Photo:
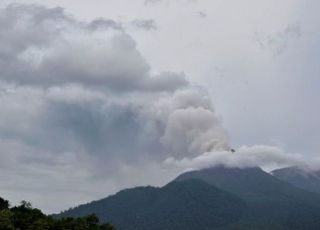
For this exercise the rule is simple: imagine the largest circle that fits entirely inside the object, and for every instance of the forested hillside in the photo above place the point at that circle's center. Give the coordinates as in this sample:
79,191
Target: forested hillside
180,205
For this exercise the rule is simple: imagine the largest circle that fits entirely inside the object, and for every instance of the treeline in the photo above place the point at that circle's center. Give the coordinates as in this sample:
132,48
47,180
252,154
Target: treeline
25,217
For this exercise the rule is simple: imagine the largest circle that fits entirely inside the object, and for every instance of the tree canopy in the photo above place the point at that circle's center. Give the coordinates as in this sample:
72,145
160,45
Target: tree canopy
25,217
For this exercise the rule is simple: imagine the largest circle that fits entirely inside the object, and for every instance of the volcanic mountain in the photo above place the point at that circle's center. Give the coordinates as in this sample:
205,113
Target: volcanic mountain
213,198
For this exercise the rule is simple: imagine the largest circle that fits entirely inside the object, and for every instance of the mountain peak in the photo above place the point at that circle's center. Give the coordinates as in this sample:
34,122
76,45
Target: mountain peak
246,182
180,205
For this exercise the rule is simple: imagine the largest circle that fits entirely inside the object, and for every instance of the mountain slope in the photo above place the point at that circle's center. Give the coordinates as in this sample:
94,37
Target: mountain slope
308,180
215,198
189,204
270,201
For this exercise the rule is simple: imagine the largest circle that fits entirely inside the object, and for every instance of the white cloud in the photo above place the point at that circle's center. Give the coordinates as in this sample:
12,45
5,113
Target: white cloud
267,157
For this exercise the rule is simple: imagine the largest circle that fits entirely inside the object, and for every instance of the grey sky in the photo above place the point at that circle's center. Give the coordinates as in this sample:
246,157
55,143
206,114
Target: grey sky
101,95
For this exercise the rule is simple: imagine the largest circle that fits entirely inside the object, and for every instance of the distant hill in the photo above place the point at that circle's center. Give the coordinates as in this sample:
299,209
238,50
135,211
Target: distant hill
215,198
180,205
305,179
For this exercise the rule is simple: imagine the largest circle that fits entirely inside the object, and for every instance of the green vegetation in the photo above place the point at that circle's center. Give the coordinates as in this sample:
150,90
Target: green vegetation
25,217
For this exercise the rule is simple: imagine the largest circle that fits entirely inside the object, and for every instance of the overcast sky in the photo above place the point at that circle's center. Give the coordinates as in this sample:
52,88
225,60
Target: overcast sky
101,95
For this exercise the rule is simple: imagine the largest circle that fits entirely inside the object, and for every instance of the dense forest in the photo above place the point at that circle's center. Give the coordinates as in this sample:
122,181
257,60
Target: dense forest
25,217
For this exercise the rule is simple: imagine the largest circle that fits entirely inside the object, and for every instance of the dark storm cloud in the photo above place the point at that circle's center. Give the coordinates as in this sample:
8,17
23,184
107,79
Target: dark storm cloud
104,129
53,49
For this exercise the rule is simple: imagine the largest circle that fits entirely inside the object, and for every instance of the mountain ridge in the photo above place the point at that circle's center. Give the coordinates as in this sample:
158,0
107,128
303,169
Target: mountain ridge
302,178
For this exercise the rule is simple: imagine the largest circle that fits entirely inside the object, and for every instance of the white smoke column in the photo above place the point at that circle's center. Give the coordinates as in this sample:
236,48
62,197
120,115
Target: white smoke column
190,124
192,131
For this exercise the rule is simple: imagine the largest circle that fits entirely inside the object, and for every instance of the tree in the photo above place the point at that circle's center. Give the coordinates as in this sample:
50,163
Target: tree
6,220
92,221
40,224
25,216
25,204
4,204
